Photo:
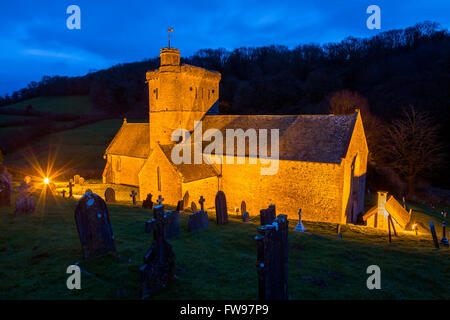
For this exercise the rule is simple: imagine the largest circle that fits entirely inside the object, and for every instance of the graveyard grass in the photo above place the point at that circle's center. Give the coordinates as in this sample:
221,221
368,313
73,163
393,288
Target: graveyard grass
218,263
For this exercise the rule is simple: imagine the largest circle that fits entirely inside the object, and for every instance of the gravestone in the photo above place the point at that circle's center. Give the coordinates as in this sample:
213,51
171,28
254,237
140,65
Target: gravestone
300,226
272,259
5,187
159,261
245,217
133,195
70,186
268,215
198,221
202,202
221,208
186,200
444,240
81,181
180,206
76,179
25,203
88,191
148,203
433,234
194,207
172,227
110,195
94,226
243,207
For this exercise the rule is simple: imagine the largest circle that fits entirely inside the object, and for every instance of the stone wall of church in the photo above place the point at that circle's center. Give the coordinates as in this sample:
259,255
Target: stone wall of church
207,188
316,188
170,180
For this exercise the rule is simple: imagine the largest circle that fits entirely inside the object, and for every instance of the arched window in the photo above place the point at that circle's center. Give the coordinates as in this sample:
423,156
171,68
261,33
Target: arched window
158,173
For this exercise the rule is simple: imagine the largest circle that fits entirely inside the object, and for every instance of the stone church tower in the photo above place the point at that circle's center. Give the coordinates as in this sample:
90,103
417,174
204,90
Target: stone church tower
178,95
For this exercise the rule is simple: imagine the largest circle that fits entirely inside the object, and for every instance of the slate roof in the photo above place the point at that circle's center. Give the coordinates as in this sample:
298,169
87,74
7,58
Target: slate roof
190,172
317,138
131,140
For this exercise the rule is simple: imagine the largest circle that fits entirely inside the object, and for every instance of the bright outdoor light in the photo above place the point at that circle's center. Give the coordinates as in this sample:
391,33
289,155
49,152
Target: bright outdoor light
46,180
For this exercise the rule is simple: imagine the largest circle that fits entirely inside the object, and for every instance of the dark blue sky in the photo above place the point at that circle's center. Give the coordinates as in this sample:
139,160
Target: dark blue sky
35,41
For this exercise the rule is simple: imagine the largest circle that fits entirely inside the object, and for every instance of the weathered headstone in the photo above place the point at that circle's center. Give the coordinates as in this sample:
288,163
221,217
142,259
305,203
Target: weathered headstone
159,261
268,215
93,225
243,207
133,195
81,181
76,179
172,228
110,195
25,203
194,207
444,240
70,186
300,226
221,208
272,259
186,199
88,191
180,206
198,221
5,194
148,203
245,217
433,234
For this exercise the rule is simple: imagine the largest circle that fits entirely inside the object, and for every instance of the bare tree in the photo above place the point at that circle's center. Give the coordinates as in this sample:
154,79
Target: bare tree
412,146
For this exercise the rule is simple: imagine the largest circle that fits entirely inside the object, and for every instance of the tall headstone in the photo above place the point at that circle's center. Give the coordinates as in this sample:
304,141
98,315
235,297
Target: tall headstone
221,208
186,199
5,187
133,195
76,179
243,207
159,261
300,226
272,260
268,215
148,203
70,186
93,225
110,195
433,234
180,206
25,203
81,181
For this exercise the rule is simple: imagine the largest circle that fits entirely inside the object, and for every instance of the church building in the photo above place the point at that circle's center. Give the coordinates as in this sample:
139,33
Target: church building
322,158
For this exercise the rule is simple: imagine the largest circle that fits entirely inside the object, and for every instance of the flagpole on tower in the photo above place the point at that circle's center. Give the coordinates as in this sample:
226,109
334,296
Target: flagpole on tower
169,31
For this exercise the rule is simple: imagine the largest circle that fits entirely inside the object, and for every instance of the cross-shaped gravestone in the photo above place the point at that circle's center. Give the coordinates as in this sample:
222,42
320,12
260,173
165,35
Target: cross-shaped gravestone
64,193
133,195
70,188
159,261
300,226
160,200
202,201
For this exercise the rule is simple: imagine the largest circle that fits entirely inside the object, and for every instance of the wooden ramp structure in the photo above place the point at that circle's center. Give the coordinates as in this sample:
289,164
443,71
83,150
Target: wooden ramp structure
378,215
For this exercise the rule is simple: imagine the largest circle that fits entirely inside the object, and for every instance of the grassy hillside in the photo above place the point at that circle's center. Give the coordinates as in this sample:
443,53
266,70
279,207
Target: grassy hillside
79,148
64,104
218,263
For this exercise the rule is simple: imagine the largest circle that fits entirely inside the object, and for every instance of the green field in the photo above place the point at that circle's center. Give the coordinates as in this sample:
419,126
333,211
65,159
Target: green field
65,104
218,263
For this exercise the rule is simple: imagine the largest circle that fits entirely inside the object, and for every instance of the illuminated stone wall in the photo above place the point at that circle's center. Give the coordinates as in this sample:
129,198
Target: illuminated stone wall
123,170
170,178
206,187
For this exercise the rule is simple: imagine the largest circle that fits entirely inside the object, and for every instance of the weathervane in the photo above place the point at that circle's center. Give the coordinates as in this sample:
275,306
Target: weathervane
169,30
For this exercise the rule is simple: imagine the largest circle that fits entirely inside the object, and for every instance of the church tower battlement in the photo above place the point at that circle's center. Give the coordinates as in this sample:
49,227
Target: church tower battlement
178,96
